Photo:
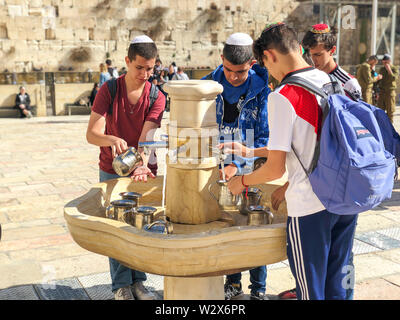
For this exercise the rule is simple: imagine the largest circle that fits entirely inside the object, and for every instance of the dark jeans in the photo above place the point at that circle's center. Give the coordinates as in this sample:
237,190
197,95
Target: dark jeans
258,278
121,276
21,111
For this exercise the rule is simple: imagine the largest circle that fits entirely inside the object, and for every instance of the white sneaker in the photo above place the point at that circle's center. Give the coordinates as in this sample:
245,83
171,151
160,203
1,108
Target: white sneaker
29,114
124,293
141,293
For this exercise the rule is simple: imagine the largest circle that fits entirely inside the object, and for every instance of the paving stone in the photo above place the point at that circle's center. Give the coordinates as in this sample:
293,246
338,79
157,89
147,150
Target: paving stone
277,265
33,243
376,289
392,215
394,279
372,222
35,232
19,293
82,265
392,255
373,265
66,289
20,272
49,253
278,280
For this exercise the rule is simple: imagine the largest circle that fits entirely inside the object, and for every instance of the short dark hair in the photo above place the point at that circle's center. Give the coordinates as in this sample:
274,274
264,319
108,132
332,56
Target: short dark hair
147,50
373,57
108,62
307,57
280,37
312,39
237,54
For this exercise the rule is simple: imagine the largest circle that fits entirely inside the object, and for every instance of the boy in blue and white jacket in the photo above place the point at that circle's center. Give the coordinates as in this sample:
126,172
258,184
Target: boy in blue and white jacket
242,116
251,124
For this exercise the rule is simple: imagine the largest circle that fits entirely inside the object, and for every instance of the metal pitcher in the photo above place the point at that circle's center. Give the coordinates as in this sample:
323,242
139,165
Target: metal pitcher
134,196
121,210
249,197
142,216
159,226
259,215
126,162
226,200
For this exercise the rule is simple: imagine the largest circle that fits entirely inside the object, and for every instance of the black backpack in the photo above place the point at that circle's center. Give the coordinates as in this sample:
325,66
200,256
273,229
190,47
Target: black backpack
112,88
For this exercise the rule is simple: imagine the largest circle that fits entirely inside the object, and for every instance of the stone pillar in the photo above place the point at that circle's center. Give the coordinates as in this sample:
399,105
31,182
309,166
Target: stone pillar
193,126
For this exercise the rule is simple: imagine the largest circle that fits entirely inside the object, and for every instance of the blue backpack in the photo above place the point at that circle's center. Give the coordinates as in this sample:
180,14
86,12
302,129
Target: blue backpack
351,170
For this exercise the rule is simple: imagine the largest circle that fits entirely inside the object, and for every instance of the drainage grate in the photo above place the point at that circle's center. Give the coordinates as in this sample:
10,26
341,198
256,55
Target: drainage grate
67,289
379,240
19,293
391,233
360,247
97,286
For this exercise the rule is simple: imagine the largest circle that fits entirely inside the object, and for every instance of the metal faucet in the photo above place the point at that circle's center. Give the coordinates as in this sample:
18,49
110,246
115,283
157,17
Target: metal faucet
163,143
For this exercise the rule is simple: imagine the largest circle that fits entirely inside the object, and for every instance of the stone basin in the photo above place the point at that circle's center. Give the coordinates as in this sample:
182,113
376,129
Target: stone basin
211,249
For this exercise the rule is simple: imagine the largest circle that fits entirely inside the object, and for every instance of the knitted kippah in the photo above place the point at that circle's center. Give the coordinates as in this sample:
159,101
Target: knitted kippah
142,39
273,25
320,28
239,39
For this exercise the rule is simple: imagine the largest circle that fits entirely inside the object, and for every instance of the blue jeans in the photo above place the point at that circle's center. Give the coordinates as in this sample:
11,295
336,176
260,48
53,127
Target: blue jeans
258,278
121,276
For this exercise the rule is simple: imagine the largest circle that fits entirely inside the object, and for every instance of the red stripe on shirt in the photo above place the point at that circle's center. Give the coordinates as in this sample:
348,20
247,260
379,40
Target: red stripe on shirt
305,105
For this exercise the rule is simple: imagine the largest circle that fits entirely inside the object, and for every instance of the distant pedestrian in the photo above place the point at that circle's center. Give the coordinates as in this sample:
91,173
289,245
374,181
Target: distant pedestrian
23,103
171,72
157,68
180,75
104,74
95,89
366,79
111,70
387,86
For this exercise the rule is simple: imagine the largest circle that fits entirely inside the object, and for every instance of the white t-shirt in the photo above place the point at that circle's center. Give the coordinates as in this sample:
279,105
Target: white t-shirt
294,118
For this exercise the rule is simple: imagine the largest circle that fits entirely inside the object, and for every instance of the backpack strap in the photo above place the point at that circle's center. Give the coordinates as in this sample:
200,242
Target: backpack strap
112,89
153,95
305,84
309,86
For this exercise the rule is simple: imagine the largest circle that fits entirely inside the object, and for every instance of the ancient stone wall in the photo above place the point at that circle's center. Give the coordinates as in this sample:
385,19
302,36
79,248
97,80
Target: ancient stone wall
79,34
56,35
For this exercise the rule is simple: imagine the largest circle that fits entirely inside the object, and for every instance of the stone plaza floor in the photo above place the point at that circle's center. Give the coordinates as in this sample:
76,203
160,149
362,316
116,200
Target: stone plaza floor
46,162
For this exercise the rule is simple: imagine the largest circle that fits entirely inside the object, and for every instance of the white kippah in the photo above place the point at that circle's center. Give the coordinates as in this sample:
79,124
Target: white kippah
239,39
142,39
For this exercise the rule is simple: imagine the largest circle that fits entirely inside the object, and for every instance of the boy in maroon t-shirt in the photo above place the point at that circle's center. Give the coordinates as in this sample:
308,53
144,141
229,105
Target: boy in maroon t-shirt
131,122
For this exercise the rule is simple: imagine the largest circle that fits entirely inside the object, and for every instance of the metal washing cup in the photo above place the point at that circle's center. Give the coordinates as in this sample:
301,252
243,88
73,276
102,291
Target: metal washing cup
250,198
126,162
134,196
142,216
226,200
259,215
121,210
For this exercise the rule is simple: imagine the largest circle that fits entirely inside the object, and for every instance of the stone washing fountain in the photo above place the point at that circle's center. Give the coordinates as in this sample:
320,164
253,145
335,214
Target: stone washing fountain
207,242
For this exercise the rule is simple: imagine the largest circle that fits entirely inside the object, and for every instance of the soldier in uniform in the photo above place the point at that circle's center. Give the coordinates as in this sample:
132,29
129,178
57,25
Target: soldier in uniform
387,86
366,79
